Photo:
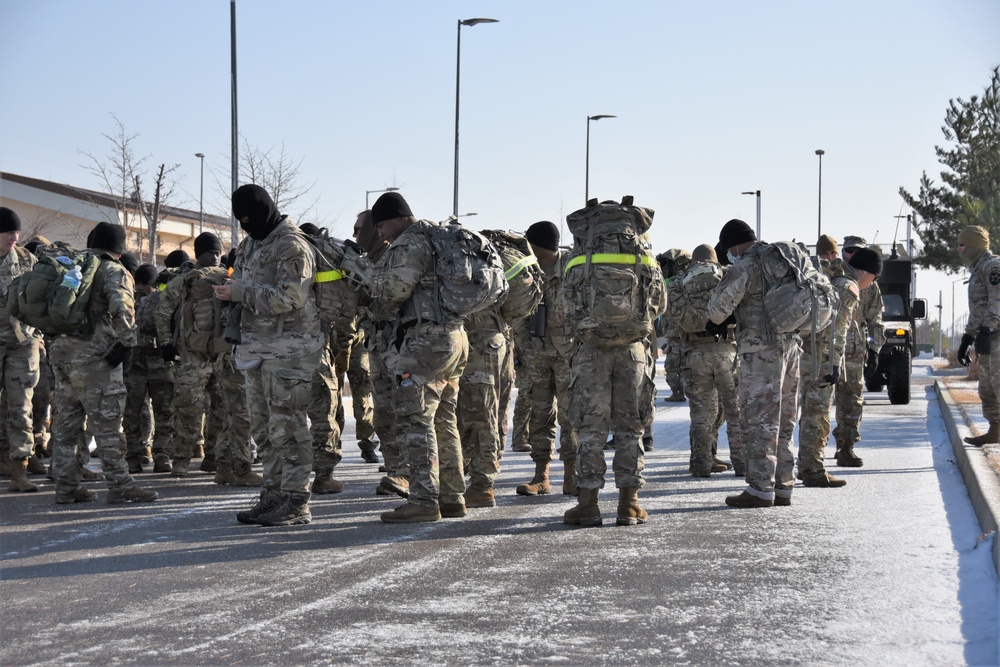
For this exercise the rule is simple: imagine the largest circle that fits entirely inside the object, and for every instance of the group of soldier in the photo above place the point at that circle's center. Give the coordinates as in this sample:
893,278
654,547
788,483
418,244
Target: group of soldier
241,337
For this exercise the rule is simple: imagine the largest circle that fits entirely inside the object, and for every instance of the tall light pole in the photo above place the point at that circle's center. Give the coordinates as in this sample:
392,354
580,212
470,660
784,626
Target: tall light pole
201,195
235,138
453,219
819,214
458,82
371,192
755,192
586,185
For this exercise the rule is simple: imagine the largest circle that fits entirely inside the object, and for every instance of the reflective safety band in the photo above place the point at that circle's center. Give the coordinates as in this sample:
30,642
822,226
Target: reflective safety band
609,258
519,266
327,276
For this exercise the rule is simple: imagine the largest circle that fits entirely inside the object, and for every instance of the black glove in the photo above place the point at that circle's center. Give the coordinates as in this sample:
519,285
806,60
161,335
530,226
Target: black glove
120,356
169,352
722,328
353,245
963,349
984,340
832,378
871,359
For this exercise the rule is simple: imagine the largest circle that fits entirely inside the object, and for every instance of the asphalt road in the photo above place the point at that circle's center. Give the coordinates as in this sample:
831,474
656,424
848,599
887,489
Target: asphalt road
889,570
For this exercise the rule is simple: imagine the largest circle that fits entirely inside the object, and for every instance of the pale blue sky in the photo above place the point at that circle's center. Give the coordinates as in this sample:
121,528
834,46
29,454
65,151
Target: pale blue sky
712,98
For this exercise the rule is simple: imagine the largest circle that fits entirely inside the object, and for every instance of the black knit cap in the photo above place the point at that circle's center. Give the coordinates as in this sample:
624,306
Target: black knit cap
868,260
390,206
310,229
106,236
146,274
176,259
207,241
9,221
734,233
543,234
130,262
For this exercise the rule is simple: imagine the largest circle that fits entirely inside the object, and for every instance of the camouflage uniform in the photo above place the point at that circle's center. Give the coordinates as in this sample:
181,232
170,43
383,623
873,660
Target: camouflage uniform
522,381
324,404
149,377
227,427
19,361
673,362
41,399
427,353
479,398
282,343
816,393
383,385
865,333
769,377
984,311
353,363
506,389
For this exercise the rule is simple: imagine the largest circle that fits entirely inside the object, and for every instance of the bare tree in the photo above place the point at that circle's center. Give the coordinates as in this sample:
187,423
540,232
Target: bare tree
163,190
280,176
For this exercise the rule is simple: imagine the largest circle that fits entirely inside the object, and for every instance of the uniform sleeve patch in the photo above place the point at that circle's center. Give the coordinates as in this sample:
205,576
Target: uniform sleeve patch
853,288
995,277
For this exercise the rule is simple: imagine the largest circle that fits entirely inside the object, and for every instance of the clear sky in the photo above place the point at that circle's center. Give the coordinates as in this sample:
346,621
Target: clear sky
713,98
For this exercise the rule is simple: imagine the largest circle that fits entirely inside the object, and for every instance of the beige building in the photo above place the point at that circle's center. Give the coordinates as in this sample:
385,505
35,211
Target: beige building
65,213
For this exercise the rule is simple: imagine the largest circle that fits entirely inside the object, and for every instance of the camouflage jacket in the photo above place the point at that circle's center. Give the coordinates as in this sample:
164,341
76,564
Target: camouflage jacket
273,280
984,293
867,322
845,281
111,309
12,330
742,292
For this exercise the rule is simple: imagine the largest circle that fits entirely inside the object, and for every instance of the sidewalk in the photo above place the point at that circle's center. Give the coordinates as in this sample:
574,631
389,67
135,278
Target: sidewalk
961,408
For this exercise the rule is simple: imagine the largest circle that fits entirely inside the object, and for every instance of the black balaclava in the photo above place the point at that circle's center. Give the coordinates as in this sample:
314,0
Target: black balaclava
253,201
130,262
176,259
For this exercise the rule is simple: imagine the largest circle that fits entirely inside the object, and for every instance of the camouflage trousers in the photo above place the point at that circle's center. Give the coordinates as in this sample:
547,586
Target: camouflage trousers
383,384
711,387
41,399
849,398
323,405
672,362
548,368
19,372
353,363
191,403
652,354
506,390
95,394
479,405
426,369
230,417
816,401
989,381
768,389
522,404
609,390
148,378
278,398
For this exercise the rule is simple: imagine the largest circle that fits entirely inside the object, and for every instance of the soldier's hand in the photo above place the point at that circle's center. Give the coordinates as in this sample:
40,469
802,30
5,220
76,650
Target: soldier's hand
832,378
120,356
963,349
871,358
984,340
169,352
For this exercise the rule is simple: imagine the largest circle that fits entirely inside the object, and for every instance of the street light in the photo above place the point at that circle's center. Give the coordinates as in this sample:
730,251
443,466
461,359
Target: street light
370,192
458,80
819,214
454,218
201,195
586,186
755,192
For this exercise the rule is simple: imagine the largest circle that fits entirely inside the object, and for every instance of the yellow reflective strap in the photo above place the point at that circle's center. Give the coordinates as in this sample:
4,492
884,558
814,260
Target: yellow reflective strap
161,286
609,258
519,266
327,276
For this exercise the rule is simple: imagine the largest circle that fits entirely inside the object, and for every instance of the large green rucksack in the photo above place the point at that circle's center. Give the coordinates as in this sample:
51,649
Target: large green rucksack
202,317
337,291
613,283
524,276
469,270
53,295
689,302
797,297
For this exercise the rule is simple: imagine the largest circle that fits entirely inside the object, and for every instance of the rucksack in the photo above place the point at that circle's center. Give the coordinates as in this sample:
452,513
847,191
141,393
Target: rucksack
524,276
800,298
40,299
337,294
689,304
613,283
202,317
469,270
145,313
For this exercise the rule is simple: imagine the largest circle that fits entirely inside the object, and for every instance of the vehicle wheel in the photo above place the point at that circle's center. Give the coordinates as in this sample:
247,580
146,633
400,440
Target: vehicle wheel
899,380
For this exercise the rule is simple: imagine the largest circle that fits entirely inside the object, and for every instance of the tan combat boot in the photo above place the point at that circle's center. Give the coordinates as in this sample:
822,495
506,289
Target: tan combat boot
587,512
846,458
35,466
325,483
479,495
411,513
19,481
180,467
569,478
539,484
6,467
629,512
224,474
991,436
240,474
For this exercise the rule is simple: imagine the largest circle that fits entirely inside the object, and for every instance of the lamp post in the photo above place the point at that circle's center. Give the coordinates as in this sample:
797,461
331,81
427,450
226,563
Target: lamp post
819,213
201,195
458,81
586,185
370,192
454,218
755,192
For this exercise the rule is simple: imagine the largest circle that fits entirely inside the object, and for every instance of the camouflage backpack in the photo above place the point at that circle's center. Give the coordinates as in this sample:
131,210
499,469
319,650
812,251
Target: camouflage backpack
202,317
797,297
337,294
145,313
524,275
689,305
469,270
613,284
45,297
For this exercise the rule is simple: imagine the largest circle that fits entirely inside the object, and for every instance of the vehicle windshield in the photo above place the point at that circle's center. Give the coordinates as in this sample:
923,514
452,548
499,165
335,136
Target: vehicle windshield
893,307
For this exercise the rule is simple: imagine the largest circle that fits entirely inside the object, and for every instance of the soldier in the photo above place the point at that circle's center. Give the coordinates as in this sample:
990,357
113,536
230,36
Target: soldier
522,382
545,359
281,343
864,340
983,325
19,350
427,353
769,370
90,385
823,351
673,263
42,397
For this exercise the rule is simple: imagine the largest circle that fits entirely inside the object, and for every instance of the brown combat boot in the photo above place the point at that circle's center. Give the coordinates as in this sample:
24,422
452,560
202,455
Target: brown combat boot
411,513
134,464
586,512
539,484
846,458
208,464
569,478
746,500
293,511
325,483
242,475
224,475
19,481
269,499
6,467
134,495
629,512
991,436
161,463
180,467
77,495
479,495
823,481
398,485
35,466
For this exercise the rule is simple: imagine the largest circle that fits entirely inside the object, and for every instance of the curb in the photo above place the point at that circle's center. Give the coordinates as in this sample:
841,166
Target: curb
980,478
